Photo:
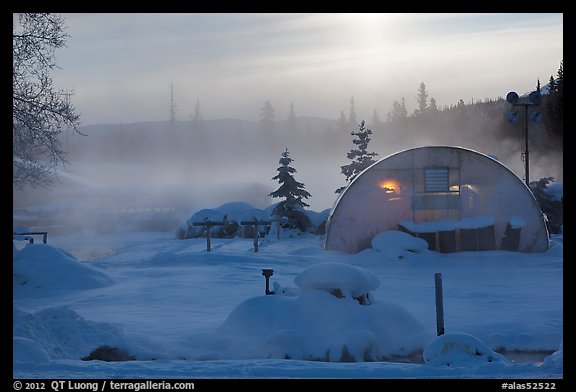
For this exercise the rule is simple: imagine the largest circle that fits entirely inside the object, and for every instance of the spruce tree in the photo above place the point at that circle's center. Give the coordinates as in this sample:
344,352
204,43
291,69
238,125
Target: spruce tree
422,100
342,122
352,115
267,117
398,111
293,192
292,121
197,120
360,156
554,105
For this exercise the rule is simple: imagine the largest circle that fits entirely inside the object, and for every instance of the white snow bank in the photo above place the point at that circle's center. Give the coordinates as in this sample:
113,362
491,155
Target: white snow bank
350,280
459,349
250,214
234,209
556,359
43,266
398,239
319,326
60,333
398,245
316,323
206,214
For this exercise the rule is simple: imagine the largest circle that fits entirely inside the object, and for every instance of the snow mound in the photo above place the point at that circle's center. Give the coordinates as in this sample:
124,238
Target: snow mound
252,213
556,359
59,333
43,266
349,280
398,239
398,245
459,349
206,214
232,210
234,207
323,321
319,326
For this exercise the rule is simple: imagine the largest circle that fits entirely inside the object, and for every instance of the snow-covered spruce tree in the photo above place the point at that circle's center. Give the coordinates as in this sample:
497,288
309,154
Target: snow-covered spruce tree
292,207
360,156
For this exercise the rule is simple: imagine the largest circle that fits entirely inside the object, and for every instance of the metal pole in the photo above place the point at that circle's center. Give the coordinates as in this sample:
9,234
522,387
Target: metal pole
256,235
526,155
439,305
267,273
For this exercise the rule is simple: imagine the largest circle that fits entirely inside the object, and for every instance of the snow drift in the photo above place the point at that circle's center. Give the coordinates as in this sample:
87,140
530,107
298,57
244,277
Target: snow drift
326,322
60,333
43,266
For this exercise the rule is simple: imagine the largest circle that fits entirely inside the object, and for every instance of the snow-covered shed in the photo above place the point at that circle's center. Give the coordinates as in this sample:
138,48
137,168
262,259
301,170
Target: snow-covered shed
455,198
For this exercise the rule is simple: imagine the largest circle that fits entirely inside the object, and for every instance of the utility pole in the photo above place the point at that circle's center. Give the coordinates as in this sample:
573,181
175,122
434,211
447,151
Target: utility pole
172,105
535,100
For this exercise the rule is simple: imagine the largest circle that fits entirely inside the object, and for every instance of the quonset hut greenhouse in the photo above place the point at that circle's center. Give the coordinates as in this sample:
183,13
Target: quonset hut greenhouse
455,198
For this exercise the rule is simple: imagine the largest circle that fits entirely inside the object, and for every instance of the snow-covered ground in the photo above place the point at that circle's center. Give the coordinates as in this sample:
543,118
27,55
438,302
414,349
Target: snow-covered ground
186,313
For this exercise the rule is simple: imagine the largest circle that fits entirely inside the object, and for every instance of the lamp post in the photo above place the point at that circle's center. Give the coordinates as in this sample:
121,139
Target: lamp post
535,99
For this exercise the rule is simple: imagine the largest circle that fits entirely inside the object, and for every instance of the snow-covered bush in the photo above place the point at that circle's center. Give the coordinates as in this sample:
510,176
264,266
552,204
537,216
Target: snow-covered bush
232,213
328,319
339,279
206,214
250,215
549,196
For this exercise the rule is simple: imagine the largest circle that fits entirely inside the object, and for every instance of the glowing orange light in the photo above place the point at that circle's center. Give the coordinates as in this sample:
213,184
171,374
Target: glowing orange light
389,186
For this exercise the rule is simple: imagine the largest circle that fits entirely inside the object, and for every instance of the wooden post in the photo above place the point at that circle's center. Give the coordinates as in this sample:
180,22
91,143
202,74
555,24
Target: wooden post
439,305
44,235
208,224
278,229
256,223
256,235
208,245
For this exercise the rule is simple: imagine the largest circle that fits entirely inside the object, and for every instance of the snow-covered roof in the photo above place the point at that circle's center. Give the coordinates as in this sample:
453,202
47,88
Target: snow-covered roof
345,277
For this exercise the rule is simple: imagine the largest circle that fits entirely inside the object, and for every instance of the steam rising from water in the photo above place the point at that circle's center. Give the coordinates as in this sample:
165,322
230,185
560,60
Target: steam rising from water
141,176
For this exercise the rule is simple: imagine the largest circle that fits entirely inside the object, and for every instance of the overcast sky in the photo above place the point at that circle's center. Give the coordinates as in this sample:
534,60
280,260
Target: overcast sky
121,66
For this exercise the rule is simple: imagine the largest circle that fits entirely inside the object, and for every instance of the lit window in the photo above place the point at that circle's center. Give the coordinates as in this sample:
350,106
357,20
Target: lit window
389,187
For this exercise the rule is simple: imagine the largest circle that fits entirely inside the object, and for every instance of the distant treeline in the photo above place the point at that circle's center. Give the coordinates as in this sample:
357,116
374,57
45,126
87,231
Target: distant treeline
480,125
